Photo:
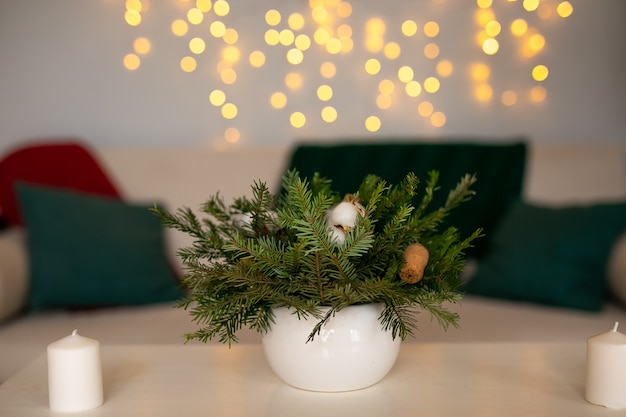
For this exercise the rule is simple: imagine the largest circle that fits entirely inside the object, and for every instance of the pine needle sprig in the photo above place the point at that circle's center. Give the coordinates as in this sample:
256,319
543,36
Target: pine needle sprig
264,251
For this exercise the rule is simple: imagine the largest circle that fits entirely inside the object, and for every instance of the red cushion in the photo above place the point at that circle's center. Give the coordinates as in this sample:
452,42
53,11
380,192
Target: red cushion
66,164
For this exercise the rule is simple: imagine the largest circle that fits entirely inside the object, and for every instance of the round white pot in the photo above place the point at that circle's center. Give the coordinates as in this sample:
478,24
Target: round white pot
351,352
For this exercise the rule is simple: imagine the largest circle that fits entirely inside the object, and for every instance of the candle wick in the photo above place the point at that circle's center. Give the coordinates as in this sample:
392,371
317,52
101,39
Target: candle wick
74,332
615,326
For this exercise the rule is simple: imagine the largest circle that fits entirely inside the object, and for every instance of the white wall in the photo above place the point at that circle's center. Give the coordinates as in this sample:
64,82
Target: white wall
61,73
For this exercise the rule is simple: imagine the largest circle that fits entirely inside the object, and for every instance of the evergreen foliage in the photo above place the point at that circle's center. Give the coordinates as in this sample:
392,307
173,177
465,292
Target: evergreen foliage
270,251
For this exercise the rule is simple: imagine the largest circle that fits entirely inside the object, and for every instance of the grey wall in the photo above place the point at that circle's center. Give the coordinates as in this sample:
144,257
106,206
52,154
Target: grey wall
61,73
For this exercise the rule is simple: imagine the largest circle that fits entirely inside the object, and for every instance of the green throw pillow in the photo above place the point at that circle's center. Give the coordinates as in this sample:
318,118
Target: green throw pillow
88,251
555,256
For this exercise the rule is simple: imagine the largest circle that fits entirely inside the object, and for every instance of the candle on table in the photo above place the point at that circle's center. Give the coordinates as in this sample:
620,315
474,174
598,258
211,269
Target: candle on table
606,369
74,373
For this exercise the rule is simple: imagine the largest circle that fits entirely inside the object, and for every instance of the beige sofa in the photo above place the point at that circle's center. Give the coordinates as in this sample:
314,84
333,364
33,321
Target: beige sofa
556,174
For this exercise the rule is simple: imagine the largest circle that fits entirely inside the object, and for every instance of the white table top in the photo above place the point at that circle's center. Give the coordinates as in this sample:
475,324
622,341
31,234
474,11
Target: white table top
427,380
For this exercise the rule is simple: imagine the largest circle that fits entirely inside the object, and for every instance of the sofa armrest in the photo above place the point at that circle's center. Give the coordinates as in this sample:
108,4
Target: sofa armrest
14,276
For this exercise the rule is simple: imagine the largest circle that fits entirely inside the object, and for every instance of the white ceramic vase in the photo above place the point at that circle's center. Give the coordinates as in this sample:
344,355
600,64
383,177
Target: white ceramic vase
351,352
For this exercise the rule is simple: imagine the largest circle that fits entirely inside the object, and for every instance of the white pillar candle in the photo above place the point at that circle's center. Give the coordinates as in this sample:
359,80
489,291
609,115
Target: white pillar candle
74,373
606,369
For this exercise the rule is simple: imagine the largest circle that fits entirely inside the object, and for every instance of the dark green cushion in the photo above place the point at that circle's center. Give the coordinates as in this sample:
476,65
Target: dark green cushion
499,169
555,256
88,251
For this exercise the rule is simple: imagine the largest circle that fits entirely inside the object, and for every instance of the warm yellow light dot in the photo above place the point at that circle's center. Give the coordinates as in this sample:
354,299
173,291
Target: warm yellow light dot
302,42
538,94
231,54
222,65
319,14
217,29
286,37
431,50
493,28
295,21
490,46
293,81
329,114
344,9
383,101
179,27
438,119
374,43
530,5
133,5
229,111
321,36
425,109
197,45
483,4
431,85
204,5
375,26
536,42
484,16
278,100
519,27
232,135
217,98
444,68
231,36
195,16
564,9
509,98
405,74
272,37
221,8
228,75
544,11
409,28
392,50
333,46
480,72
295,56
386,87
131,62
372,124
483,92
324,92
297,119
413,89
272,17
257,59
142,46
372,66
328,70
481,37
431,29
540,72
188,64
344,31
132,17
347,44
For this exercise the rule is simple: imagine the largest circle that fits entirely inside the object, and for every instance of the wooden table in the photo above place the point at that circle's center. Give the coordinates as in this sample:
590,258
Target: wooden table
428,380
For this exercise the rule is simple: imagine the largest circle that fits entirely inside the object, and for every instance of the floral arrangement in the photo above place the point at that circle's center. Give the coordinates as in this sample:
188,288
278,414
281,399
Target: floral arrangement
309,247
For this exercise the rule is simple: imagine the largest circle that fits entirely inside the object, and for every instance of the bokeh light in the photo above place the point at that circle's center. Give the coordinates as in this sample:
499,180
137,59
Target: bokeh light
372,124
329,114
142,45
131,62
188,64
278,100
297,119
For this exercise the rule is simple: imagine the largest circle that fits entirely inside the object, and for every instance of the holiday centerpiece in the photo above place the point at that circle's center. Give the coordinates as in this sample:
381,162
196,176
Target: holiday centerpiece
306,263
